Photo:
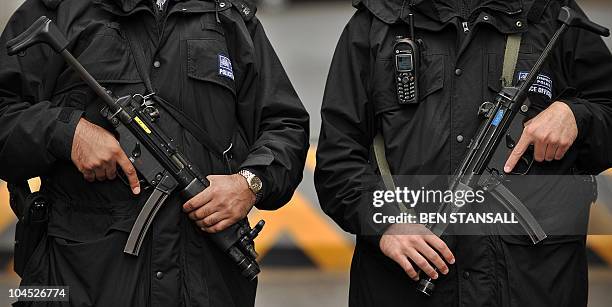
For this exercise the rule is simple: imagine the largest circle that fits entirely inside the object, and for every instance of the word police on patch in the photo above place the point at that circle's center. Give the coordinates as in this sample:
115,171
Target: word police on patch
543,84
225,67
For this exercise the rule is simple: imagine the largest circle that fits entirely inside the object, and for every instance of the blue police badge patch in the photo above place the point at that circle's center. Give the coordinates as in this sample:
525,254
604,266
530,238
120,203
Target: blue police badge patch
543,84
225,67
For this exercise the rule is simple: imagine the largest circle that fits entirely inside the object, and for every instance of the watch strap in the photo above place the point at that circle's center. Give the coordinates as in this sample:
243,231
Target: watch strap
249,175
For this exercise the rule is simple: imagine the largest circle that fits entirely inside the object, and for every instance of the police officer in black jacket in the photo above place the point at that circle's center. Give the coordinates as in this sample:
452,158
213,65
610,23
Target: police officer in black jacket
460,68
213,62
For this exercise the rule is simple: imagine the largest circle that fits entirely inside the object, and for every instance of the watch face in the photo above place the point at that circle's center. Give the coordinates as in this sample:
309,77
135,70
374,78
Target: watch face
255,184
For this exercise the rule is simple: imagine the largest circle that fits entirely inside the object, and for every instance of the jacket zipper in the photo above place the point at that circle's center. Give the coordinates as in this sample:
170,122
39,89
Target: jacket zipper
465,14
465,9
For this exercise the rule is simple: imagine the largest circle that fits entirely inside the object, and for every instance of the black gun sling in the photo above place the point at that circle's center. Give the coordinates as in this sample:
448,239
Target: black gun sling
219,151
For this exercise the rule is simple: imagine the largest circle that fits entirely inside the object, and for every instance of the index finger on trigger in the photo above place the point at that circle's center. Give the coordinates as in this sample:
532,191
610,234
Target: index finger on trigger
518,151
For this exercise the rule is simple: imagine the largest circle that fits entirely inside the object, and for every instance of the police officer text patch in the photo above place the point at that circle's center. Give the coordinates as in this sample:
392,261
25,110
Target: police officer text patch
225,67
543,84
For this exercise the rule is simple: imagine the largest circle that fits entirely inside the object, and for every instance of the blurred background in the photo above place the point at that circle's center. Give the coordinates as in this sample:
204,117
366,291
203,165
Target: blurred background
305,256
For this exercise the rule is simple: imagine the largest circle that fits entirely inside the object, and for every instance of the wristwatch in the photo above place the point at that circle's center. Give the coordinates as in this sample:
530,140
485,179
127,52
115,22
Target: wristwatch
255,184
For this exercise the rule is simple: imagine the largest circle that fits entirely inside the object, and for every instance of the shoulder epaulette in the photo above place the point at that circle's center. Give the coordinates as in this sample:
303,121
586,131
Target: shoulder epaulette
247,8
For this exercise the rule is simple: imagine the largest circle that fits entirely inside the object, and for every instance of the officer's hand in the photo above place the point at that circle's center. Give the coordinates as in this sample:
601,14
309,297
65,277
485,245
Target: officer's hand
552,133
226,201
413,242
96,153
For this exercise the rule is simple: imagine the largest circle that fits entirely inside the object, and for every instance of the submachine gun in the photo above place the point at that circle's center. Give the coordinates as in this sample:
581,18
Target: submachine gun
503,123
153,153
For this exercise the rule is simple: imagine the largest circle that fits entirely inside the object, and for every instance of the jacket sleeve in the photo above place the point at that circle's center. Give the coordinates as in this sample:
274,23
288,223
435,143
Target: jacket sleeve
344,176
587,64
34,134
279,129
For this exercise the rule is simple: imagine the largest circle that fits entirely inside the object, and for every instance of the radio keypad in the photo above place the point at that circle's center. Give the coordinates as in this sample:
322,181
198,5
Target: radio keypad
406,87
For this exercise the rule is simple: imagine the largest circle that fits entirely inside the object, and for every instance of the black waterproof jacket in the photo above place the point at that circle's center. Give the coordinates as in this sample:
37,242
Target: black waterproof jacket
251,104
461,67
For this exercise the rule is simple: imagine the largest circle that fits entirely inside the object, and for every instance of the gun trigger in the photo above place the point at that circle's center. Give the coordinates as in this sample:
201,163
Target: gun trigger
510,143
136,152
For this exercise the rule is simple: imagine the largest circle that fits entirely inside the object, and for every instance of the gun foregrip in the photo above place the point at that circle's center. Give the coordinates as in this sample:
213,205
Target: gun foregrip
41,31
194,188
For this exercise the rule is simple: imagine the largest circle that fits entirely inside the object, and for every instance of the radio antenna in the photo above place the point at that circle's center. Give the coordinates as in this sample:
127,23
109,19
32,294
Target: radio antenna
410,16
411,21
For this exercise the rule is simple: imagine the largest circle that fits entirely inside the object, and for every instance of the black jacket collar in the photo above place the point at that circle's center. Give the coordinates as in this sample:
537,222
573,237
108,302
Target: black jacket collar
125,5
393,11
129,7
52,4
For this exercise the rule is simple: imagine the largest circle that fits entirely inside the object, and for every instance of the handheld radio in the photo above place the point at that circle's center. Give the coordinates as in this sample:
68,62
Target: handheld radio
407,59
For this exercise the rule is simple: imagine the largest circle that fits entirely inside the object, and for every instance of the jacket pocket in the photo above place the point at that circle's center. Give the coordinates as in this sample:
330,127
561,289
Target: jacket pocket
81,221
551,240
208,60
86,243
560,204
93,268
36,270
551,274
432,75
105,54
384,90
